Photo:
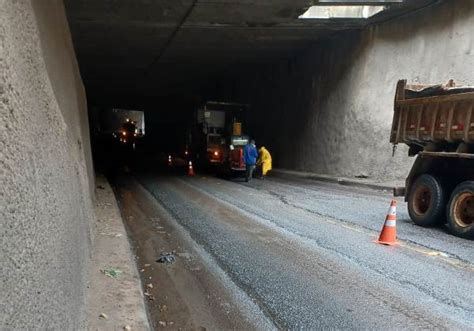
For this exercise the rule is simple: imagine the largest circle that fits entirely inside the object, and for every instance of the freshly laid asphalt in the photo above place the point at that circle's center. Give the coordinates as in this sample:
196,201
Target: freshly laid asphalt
303,251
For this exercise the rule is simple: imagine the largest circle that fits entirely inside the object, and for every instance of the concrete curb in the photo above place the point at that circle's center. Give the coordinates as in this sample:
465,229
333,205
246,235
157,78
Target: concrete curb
113,304
332,179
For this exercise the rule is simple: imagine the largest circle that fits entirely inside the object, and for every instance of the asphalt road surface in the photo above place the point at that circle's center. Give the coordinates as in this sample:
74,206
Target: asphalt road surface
301,254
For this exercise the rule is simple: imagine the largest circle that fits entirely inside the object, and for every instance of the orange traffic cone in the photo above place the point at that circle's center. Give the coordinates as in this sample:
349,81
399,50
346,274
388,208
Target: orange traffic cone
388,236
190,169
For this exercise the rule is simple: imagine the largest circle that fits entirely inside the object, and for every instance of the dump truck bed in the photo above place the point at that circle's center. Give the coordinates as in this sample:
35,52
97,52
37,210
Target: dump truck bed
437,123
433,114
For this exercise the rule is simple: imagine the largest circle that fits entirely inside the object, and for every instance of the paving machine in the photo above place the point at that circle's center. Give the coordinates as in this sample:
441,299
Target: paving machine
216,140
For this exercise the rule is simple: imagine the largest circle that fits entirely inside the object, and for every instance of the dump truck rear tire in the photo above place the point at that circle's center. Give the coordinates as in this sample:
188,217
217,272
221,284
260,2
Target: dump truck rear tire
427,201
460,211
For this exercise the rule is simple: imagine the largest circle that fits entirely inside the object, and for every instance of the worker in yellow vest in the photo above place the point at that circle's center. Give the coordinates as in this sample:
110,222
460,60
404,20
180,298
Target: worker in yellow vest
264,160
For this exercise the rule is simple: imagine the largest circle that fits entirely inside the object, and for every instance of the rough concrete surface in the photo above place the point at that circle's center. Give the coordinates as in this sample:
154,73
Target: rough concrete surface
329,110
120,299
45,171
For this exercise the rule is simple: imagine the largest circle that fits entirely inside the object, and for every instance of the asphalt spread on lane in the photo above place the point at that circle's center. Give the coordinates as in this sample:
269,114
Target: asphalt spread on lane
306,272
192,293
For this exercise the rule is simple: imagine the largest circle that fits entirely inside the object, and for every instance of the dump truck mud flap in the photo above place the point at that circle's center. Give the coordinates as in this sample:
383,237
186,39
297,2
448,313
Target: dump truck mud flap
399,191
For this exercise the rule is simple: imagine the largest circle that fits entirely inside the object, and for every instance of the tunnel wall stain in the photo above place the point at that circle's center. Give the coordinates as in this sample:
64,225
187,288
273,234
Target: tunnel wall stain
45,171
329,110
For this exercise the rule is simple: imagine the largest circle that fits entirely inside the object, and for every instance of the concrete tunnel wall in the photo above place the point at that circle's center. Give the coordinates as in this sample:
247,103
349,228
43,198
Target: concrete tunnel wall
45,170
330,109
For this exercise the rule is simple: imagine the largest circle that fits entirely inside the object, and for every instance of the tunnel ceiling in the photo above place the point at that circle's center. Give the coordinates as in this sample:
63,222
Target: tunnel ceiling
158,47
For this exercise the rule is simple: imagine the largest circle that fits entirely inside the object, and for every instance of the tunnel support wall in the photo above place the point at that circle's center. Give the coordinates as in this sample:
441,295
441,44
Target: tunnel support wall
45,170
329,110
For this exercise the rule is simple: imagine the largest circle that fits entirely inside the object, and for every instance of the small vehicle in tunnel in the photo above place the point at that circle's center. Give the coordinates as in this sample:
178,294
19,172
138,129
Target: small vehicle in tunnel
129,133
125,126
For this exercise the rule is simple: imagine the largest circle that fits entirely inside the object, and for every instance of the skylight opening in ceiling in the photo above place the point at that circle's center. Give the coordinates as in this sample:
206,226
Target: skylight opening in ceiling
334,12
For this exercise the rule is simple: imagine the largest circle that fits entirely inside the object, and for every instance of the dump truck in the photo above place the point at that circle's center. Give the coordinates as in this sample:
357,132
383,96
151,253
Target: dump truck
437,124
216,140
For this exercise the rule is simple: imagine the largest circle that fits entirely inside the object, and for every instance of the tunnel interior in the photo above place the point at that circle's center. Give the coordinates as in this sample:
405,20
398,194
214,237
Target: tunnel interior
167,58
317,80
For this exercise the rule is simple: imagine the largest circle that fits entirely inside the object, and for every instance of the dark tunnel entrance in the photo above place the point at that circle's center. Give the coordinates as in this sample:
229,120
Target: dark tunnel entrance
167,59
